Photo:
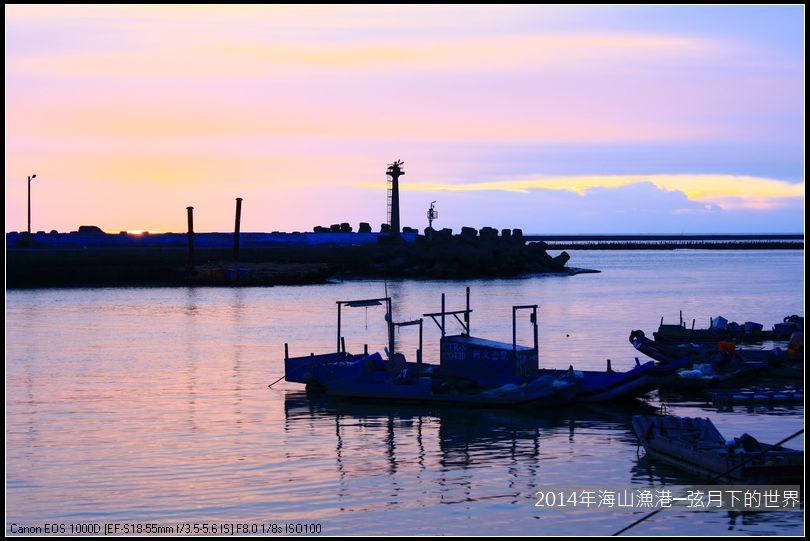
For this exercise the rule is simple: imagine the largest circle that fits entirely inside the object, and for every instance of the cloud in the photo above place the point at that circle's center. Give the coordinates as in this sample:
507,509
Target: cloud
479,54
723,191
212,41
634,209
444,74
221,53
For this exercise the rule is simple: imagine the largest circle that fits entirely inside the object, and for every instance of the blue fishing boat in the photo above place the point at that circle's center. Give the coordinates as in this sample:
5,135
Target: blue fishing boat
785,363
699,368
470,369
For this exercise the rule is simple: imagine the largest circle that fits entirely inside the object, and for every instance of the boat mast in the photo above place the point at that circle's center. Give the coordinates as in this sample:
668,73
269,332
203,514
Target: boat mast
465,323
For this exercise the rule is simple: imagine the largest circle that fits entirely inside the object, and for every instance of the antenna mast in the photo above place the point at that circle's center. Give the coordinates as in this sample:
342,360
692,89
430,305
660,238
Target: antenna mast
432,214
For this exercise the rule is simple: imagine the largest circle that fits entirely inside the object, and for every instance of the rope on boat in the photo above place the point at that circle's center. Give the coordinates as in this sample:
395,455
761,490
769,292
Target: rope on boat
715,478
279,379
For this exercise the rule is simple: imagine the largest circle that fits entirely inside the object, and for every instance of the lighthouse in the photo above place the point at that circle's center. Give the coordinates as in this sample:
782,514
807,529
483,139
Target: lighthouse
394,171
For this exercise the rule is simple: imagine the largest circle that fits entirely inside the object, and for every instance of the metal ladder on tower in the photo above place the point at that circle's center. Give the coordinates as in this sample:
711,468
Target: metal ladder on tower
390,183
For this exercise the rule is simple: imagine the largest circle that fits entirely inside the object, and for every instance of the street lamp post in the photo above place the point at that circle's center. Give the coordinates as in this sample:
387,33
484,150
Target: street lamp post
30,178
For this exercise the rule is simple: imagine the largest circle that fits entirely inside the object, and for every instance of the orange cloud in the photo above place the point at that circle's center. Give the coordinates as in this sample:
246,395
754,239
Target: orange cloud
221,53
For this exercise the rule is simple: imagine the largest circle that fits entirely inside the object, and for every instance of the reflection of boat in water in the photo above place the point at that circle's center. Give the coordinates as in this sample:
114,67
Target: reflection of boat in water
460,426
728,397
696,446
452,453
471,370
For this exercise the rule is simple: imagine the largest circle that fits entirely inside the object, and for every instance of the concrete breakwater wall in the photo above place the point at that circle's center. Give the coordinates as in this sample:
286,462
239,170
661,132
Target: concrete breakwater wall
77,259
180,240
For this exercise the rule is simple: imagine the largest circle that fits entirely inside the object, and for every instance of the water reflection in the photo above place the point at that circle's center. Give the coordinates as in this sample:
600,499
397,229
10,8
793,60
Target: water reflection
468,442
684,401
237,311
191,329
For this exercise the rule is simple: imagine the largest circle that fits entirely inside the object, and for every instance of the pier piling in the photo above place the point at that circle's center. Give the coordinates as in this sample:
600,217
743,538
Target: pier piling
190,211
236,228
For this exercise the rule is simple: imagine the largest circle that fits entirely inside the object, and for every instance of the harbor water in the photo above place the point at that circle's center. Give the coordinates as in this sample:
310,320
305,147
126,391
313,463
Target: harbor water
151,405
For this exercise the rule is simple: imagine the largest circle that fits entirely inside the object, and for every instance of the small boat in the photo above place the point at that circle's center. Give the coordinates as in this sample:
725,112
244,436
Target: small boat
713,376
471,370
720,329
734,364
696,446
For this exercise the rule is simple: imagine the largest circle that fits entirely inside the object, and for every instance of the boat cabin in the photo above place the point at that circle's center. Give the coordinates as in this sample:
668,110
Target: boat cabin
487,362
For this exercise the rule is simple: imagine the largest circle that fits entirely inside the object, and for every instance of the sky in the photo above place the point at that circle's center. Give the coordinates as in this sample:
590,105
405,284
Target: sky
629,119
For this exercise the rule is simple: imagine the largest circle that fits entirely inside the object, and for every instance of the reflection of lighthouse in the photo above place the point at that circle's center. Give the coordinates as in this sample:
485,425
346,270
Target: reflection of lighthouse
394,172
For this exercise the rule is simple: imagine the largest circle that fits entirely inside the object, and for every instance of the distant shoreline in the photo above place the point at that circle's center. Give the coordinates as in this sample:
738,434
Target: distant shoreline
705,241
664,236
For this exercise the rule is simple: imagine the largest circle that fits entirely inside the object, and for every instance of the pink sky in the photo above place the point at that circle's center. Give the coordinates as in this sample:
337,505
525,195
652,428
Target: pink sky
129,114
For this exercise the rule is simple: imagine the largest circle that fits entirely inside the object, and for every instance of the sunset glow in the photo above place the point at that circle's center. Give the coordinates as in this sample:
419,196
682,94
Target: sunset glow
131,113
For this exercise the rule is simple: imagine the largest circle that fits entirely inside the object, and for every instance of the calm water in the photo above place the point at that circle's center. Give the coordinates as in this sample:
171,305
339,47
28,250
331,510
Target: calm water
152,405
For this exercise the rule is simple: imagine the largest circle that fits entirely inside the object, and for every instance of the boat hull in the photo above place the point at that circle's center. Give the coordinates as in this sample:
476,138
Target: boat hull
593,386
694,445
430,389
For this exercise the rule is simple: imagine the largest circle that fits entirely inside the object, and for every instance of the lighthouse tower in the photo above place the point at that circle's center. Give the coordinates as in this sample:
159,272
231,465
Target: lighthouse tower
394,172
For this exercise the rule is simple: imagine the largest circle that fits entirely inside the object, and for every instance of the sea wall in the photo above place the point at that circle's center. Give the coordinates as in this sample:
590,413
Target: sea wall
180,240
99,259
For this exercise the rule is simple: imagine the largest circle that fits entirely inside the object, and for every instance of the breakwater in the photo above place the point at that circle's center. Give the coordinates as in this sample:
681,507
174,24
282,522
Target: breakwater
91,259
788,241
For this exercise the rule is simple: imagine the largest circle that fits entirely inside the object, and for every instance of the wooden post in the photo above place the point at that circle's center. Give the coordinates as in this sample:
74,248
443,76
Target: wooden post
29,205
236,229
190,211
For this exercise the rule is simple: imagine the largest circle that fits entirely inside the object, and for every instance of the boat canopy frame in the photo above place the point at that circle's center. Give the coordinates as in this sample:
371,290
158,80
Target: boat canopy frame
391,324
411,323
532,318
364,303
